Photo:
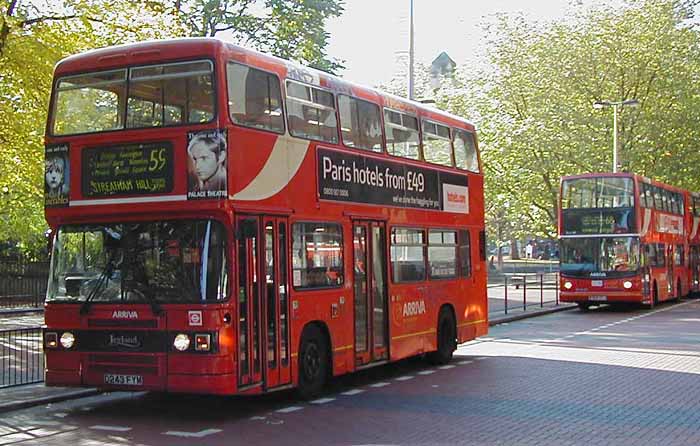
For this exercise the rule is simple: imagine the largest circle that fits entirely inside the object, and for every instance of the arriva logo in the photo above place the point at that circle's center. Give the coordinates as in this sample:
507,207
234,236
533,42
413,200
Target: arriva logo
124,314
414,308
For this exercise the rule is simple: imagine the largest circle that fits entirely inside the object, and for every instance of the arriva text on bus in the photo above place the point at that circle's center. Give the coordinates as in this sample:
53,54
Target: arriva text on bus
412,181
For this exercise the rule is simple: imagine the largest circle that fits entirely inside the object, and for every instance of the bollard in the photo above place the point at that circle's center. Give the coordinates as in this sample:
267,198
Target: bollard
541,290
506,293
524,293
556,288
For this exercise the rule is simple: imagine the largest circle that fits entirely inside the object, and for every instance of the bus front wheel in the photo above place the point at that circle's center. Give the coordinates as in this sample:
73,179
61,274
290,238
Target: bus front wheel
446,338
654,298
313,363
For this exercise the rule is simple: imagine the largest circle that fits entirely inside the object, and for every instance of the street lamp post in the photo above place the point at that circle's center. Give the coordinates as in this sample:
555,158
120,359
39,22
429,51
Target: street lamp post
614,105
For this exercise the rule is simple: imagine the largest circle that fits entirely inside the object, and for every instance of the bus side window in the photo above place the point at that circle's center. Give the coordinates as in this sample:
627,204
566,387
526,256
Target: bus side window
254,98
465,151
360,123
407,255
317,260
437,145
311,113
402,138
465,264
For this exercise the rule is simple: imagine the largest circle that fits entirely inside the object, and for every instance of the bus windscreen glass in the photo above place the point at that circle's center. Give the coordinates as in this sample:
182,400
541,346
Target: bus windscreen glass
179,261
608,256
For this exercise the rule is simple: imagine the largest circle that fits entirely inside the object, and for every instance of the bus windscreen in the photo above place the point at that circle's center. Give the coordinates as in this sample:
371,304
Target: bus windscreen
179,261
607,256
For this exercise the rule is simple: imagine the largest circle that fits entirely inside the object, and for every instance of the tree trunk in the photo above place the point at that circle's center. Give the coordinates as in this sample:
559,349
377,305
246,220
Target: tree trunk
514,254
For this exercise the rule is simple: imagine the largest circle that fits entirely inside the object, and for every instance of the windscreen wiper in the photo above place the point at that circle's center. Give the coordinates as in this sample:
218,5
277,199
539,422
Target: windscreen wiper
102,281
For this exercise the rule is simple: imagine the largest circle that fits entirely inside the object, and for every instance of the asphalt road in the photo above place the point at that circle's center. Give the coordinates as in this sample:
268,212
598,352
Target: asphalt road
606,377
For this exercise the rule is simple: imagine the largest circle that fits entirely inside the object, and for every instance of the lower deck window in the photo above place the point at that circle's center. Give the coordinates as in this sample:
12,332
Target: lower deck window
442,254
317,255
407,255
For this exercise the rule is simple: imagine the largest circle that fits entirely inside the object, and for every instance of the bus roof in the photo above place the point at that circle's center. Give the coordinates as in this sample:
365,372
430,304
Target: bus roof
622,175
191,47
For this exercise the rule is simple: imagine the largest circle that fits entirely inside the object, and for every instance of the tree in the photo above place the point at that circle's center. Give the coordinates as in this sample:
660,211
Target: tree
32,39
533,104
290,29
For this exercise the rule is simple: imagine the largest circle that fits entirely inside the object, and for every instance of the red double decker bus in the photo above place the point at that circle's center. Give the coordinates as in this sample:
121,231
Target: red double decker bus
228,222
623,239
693,229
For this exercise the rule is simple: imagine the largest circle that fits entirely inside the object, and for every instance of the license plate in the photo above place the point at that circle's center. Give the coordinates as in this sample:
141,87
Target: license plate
123,380
596,283
598,298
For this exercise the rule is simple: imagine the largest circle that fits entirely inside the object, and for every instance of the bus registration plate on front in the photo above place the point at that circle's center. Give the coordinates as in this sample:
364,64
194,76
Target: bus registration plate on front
598,298
123,380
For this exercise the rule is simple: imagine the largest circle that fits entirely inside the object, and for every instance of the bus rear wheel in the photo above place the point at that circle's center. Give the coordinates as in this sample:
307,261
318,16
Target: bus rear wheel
583,306
446,339
313,363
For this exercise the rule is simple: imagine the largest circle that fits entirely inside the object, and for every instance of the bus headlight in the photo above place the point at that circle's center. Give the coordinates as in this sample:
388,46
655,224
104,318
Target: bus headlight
627,284
568,285
51,339
181,342
67,339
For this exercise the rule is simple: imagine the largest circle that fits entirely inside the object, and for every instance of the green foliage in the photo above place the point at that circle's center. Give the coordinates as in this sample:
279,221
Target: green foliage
290,29
32,40
533,105
34,36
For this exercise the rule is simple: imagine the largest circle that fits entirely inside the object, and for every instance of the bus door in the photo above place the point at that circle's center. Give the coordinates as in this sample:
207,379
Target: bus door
370,291
263,310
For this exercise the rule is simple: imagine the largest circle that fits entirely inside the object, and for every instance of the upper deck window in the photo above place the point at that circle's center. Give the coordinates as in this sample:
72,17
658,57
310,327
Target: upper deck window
655,197
437,147
158,95
254,98
311,113
402,138
90,103
170,94
610,192
465,151
360,123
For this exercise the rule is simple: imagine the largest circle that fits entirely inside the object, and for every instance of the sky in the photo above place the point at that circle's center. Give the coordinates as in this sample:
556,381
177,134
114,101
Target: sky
371,33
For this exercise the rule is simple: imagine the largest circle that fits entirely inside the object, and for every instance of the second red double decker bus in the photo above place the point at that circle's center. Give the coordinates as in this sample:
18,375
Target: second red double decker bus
622,239
229,222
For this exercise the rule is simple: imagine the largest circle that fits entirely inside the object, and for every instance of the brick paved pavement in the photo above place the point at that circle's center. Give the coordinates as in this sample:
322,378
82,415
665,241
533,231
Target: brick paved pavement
604,377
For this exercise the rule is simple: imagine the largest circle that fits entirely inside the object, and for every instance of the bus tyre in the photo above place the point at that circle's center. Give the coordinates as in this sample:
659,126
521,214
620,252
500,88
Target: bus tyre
313,363
654,297
583,306
446,339
679,291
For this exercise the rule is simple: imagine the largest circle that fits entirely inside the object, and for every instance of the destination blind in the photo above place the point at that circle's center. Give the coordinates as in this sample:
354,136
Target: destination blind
135,169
